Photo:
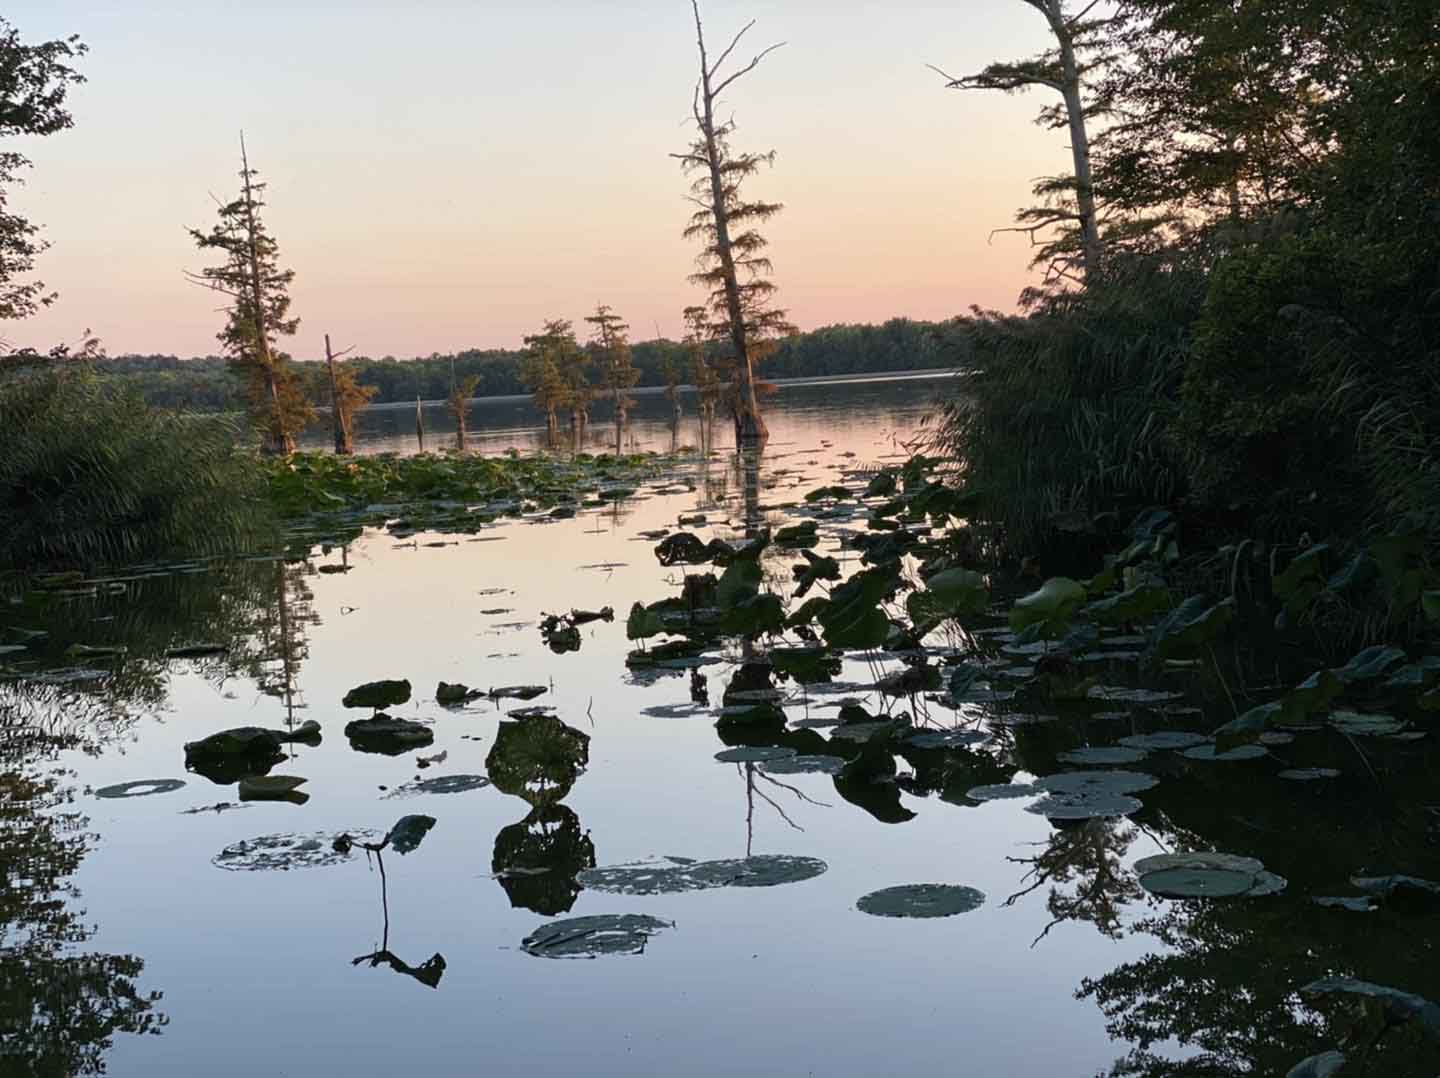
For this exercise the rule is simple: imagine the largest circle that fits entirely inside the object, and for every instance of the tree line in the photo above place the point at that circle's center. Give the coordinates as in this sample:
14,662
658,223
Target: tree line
204,384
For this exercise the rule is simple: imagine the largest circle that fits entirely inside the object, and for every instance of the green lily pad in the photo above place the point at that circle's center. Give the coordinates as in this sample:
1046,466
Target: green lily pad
1228,862
408,833
1102,756
140,788
1239,752
754,754
671,876
1097,783
945,739
284,852
441,784
270,787
1119,694
804,765
1001,792
1165,740
921,900
1361,725
1198,883
594,937
1396,1004
378,694
1050,605
1308,774
1084,806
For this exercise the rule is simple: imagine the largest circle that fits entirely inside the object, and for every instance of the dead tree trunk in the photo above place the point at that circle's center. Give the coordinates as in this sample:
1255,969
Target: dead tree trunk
277,441
344,442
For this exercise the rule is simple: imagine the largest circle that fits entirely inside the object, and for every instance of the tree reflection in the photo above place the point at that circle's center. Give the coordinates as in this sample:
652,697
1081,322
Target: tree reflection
60,1007
1090,855
537,860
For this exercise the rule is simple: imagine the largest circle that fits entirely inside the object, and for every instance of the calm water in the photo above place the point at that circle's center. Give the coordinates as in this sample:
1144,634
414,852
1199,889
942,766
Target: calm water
255,971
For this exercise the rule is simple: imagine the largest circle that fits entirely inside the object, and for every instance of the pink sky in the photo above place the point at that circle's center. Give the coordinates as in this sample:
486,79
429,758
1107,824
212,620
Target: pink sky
449,175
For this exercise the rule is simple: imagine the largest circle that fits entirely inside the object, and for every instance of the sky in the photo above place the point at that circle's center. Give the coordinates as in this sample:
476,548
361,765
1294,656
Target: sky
449,175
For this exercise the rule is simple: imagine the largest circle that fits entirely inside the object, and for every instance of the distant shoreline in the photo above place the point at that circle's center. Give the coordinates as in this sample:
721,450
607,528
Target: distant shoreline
655,391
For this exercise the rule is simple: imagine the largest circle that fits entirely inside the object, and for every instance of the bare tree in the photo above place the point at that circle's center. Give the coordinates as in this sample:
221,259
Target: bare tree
1069,200
732,264
346,398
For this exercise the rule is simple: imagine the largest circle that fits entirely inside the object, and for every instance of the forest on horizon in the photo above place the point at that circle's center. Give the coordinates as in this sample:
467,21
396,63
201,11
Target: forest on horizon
207,384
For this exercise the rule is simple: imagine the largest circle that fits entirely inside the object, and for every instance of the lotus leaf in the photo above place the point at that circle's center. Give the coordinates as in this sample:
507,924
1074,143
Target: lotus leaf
1163,740
408,832
284,852
140,788
1102,756
1050,606
754,754
804,765
921,900
672,875
378,694
594,937
1191,627
1308,774
1369,664
1239,752
1084,806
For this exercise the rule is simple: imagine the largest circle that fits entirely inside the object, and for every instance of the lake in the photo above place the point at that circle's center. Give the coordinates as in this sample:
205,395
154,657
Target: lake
140,936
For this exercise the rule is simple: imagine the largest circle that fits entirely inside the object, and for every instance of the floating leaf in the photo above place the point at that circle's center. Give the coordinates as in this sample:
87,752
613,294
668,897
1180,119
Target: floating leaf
1165,740
271,788
944,739
1361,725
672,875
1097,783
1102,756
754,754
1084,806
1139,603
387,736
1119,694
441,784
1214,754
1308,774
594,937
284,852
449,695
140,788
408,832
804,765
1248,727
1397,1005
378,694
921,900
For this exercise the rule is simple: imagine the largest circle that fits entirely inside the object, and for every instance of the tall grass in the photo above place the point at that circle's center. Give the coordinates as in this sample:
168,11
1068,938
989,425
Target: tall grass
90,475
1068,412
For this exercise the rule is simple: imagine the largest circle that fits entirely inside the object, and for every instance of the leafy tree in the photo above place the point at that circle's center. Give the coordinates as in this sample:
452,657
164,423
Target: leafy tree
259,312
458,404
553,360
617,365
1068,202
347,396
34,83
733,265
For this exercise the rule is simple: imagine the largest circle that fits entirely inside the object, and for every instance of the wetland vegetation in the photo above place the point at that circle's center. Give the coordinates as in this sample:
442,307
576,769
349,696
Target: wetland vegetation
1091,693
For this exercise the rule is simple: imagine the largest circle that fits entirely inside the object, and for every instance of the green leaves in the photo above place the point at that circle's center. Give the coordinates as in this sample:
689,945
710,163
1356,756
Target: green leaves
1191,627
1050,606
851,617
408,832
1140,603
950,594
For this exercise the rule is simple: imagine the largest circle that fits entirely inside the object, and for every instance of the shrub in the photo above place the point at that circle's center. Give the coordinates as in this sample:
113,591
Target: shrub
90,475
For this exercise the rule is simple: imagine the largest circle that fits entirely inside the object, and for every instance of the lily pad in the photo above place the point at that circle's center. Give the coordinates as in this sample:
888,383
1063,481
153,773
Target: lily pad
387,736
804,765
1002,792
1102,756
1361,725
1119,694
1197,882
754,754
1395,1003
671,876
1229,862
1239,752
594,937
921,900
270,787
378,694
1163,740
284,852
408,832
945,739
1308,774
518,692
1084,806
140,788
441,784
1097,783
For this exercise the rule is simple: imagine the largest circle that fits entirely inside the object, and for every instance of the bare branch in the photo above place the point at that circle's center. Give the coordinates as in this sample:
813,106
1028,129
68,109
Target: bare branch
730,48
751,66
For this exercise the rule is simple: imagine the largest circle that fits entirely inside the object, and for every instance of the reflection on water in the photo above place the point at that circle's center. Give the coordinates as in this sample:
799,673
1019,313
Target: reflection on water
1069,968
